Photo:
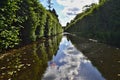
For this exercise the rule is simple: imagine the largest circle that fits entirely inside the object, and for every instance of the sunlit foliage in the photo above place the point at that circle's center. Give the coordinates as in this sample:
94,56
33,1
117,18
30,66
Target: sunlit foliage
24,21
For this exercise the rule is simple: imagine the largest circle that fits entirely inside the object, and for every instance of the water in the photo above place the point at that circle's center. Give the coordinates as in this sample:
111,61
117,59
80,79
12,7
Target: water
28,62
104,57
63,57
70,64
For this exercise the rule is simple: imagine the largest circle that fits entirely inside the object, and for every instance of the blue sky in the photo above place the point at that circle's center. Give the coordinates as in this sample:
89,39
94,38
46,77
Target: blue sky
67,9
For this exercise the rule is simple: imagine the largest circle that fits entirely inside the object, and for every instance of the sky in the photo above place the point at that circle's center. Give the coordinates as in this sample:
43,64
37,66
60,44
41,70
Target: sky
70,64
68,9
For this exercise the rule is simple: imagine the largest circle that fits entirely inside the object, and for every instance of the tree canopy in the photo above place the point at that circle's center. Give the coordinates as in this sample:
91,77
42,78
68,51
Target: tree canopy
100,22
24,21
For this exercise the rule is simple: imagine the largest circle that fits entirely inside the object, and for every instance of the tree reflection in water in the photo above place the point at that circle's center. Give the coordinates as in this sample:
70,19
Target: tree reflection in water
28,62
70,64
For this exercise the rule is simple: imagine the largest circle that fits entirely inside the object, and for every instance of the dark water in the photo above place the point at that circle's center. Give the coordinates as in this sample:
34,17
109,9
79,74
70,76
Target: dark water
29,62
63,57
71,64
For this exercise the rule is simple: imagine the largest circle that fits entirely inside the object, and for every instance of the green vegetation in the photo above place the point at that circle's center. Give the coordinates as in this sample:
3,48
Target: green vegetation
24,21
30,61
99,22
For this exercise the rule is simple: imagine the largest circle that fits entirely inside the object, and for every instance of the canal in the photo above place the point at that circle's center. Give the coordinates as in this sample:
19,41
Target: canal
62,57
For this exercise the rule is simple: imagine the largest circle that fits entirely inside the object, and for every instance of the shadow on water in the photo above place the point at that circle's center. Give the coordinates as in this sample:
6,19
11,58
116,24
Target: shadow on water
29,62
70,64
106,58
73,58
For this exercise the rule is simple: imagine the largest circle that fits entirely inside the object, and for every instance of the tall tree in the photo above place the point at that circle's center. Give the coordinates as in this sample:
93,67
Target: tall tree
49,4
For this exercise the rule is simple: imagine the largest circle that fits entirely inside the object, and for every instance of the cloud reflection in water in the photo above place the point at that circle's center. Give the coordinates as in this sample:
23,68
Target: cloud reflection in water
70,64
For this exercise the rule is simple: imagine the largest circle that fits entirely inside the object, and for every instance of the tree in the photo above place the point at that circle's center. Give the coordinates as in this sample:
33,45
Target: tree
54,12
49,4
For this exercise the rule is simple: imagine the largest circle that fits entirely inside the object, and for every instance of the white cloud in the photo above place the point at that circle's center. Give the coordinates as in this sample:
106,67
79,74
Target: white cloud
71,8
72,66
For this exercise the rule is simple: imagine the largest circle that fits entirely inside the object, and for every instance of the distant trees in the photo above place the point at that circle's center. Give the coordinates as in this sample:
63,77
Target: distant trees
54,12
99,22
50,7
49,4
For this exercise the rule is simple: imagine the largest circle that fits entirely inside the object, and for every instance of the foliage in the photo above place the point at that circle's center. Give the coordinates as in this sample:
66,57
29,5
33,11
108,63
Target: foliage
21,63
9,38
9,33
25,21
100,22
49,4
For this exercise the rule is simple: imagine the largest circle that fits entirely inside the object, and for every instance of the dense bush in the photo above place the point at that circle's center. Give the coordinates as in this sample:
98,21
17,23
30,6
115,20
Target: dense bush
9,32
24,21
100,22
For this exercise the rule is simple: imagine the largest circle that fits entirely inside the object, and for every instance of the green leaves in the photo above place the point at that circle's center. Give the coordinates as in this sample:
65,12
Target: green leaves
9,34
99,22
25,21
9,38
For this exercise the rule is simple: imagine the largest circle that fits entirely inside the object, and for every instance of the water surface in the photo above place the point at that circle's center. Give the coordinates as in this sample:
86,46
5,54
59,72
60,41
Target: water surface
28,62
70,64
62,57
